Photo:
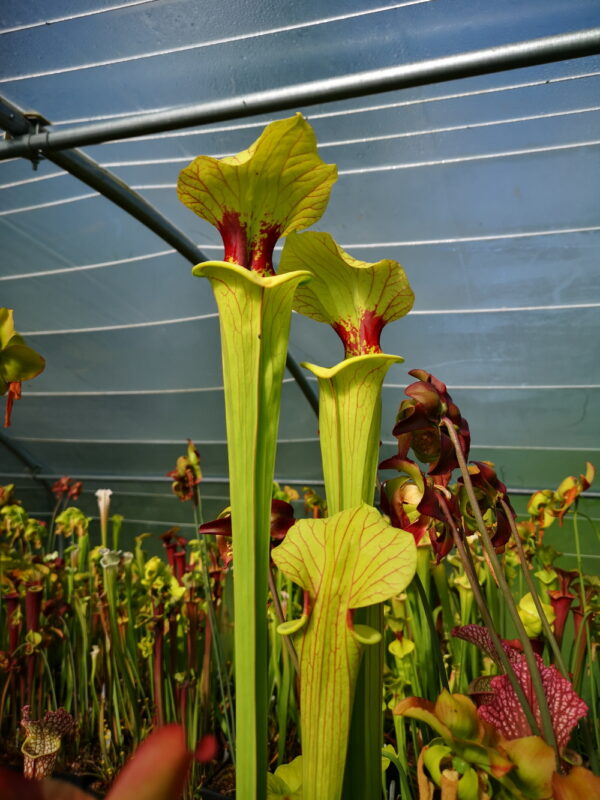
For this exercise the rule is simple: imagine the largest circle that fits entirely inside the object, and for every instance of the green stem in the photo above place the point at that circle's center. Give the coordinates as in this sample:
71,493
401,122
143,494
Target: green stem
592,751
592,525
534,593
406,792
129,698
593,698
80,612
52,537
73,692
582,598
578,652
534,672
440,579
435,642
284,690
50,679
281,618
223,678
585,628
491,594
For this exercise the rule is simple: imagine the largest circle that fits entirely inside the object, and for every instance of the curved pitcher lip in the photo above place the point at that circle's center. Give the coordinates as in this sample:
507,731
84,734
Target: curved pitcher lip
32,754
204,269
327,373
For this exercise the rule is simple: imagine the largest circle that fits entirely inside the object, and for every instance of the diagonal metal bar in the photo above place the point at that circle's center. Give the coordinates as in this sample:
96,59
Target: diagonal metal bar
91,173
36,471
81,166
14,121
436,70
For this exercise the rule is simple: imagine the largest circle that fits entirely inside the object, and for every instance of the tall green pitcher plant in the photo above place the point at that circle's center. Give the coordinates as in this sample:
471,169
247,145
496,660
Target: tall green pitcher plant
357,299
351,560
275,187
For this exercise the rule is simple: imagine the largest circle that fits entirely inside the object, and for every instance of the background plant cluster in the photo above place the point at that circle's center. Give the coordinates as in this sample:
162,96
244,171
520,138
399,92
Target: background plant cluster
120,638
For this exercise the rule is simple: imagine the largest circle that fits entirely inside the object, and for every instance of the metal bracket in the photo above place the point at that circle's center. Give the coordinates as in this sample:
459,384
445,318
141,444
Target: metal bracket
38,123
19,124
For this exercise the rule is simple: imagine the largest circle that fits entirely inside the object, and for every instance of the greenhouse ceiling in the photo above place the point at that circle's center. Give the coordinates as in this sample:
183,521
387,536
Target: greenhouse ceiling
472,163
